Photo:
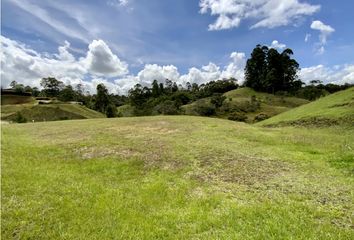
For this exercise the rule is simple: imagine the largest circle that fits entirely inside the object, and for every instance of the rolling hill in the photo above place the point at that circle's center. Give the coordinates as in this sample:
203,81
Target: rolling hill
250,103
175,177
334,109
48,112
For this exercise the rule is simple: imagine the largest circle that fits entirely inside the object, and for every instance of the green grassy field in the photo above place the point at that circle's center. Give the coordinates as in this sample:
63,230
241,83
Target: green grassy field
336,108
179,177
239,99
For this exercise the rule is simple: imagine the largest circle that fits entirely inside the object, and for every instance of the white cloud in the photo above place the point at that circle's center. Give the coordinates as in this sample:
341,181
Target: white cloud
117,3
236,67
160,73
307,37
277,45
101,61
325,32
267,13
337,74
47,18
24,65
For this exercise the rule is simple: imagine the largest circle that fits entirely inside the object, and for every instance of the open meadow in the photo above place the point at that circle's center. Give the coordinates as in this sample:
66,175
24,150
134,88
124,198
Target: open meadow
176,177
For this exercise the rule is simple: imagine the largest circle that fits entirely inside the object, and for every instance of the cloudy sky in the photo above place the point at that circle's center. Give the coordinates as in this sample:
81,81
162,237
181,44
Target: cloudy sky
124,42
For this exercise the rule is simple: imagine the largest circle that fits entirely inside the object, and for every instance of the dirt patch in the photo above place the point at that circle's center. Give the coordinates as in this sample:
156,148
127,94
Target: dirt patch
239,169
101,152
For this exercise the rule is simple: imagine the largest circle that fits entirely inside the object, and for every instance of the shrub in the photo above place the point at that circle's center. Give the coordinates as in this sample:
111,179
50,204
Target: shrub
205,110
20,118
111,111
167,108
261,117
237,116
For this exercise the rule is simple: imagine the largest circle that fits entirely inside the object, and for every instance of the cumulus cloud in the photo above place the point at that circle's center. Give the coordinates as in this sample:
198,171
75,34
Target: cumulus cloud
277,45
325,32
267,13
339,74
100,65
22,64
236,67
102,62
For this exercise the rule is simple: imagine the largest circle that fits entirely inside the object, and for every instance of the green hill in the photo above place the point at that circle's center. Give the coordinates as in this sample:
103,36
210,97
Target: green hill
249,103
16,99
175,177
48,112
334,109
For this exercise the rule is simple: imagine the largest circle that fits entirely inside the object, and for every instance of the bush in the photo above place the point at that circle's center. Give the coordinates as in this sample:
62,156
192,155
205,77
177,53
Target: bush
261,117
111,111
20,118
238,116
205,110
167,108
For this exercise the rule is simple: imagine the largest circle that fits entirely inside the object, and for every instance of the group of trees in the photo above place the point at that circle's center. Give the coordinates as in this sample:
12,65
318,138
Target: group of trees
270,71
102,101
168,97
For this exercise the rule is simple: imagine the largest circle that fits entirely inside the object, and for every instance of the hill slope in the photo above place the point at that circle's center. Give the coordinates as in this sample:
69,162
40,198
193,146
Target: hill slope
249,103
333,109
48,112
177,177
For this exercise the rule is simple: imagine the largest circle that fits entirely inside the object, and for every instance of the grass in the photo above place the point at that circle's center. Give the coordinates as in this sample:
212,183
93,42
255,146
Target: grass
48,112
179,177
239,99
334,108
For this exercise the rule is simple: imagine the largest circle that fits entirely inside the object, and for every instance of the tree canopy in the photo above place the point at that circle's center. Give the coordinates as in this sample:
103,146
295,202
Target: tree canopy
270,71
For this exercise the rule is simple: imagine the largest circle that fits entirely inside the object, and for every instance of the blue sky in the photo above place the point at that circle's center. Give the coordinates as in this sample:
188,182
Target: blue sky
124,42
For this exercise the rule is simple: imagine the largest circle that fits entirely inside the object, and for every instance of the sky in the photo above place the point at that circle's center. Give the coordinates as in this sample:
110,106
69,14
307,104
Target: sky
124,42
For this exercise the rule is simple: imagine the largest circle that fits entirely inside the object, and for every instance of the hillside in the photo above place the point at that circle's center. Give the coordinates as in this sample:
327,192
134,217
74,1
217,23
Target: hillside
175,177
48,112
249,103
333,109
16,99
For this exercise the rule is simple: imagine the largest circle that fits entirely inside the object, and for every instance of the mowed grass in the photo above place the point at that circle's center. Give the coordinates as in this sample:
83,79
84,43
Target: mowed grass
338,106
178,177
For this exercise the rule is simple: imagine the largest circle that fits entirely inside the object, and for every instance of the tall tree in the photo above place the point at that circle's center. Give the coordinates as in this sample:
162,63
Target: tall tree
102,98
51,86
256,68
270,71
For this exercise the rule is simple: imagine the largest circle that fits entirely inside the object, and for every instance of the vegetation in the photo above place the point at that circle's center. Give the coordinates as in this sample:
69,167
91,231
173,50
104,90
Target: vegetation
244,104
335,109
270,71
175,177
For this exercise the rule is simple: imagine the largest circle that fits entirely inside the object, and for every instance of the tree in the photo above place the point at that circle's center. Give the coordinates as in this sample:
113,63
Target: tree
67,94
19,88
256,68
13,84
217,100
155,90
102,98
270,71
35,92
111,111
51,86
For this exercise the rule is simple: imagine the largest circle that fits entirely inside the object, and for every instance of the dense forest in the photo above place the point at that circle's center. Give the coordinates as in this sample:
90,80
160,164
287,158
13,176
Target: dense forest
266,70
